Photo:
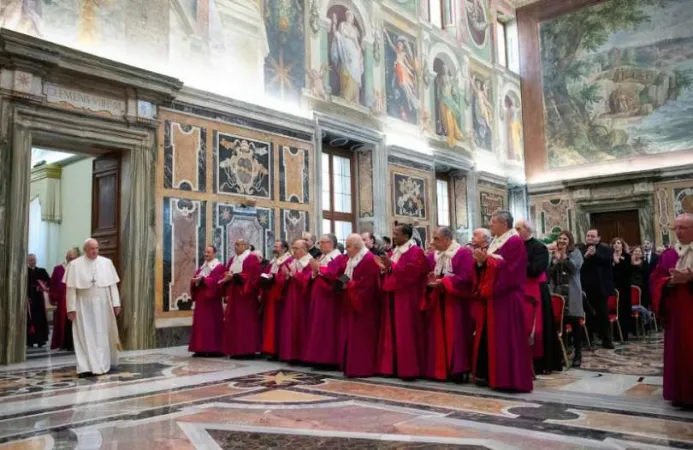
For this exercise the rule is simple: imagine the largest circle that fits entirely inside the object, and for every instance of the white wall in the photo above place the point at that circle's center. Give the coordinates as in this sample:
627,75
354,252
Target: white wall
75,196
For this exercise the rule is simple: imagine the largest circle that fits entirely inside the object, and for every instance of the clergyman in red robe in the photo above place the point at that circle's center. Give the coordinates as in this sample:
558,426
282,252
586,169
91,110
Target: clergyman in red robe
242,322
448,309
62,328
273,284
208,312
293,324
324,314
504,355
362,310
676,310
402,338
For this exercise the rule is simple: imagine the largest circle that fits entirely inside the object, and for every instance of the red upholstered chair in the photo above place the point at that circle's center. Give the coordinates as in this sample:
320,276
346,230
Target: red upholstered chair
558,307
636,300
612,307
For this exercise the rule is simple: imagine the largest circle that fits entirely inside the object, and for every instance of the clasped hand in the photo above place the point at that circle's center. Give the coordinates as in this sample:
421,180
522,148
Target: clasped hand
680,276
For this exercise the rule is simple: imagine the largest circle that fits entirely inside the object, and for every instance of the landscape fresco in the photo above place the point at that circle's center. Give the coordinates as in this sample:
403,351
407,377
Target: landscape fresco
618,81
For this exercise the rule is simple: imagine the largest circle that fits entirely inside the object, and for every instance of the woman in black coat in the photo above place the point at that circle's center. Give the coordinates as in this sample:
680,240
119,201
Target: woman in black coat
622,271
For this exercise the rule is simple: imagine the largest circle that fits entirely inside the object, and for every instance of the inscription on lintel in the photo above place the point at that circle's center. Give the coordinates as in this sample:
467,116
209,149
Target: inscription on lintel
83,100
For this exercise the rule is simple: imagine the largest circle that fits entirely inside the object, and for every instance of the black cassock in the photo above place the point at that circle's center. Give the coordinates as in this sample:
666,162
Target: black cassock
37,322
538,263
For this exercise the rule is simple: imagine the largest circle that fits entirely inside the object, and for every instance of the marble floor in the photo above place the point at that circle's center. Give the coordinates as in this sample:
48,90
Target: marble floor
163,399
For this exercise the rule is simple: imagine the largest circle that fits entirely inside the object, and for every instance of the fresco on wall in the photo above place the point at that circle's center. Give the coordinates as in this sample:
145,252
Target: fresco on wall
346,51
24,16
407,5
475,27
294,224
183,249
512,116
244,166
448,101
618,79
482,111
409,196
402,75
285,64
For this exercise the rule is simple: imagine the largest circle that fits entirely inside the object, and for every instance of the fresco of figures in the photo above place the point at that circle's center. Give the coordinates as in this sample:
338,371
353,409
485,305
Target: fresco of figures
475,27
285,64
482,111
402,75
346,53
448,101
512,117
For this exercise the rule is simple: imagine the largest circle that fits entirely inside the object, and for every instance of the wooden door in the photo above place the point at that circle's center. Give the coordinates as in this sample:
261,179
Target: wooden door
105,201
623,224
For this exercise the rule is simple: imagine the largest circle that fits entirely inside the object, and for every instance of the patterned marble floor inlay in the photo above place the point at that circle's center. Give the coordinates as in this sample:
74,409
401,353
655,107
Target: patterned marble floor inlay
164,399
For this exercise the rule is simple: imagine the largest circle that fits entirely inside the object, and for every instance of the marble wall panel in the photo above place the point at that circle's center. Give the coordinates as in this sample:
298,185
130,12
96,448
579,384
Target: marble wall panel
185,157
412,197
243,166
232,222
490,202
183,249
293,175
409,196
670,200
460,201
554,214
293,224
364,161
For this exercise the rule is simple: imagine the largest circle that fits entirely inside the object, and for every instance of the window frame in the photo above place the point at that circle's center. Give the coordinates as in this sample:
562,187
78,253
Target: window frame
330,214
504,26
441,20
447,179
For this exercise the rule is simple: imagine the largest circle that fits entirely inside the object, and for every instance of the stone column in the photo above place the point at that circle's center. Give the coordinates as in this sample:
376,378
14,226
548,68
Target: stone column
380,191
517,202
646,217
474,216
317,173
137,316
14,244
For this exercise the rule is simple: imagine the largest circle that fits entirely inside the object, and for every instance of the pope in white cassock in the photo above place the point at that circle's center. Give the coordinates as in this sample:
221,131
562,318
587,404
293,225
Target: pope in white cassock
93,303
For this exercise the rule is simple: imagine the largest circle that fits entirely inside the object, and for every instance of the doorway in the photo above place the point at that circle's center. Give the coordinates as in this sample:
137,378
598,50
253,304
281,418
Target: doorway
623,224
73,196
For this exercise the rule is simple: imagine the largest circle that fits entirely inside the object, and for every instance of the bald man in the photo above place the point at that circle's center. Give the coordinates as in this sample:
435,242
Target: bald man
675,283
241,285
93,302
361,315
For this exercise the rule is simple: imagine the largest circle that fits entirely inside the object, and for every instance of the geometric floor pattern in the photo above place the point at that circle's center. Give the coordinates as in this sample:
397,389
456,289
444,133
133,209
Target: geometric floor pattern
163,399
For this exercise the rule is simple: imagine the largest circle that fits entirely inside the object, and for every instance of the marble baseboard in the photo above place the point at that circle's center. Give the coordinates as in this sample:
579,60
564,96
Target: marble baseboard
172,336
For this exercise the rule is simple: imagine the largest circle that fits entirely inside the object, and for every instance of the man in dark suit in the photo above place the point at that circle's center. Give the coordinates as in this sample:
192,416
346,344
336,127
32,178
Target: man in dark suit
597,281
649,257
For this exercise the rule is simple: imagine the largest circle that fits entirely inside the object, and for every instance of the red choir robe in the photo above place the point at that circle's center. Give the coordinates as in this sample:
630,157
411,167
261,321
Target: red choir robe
324,314
448,314
361,317
502,288
272,296
402,336
208,312
62,327
293,324
675,306
242,322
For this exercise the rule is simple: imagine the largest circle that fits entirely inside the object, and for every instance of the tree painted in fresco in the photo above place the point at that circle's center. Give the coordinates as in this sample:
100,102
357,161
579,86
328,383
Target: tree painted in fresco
570,59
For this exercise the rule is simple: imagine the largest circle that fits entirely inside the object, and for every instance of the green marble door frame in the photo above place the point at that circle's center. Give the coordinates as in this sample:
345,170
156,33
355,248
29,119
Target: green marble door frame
22,126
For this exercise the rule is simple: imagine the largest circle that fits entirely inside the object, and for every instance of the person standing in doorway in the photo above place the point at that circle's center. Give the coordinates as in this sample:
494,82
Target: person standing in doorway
38,283
62,328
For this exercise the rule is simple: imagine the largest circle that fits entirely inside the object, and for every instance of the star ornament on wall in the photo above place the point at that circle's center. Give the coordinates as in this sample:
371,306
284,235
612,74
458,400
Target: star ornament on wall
282,74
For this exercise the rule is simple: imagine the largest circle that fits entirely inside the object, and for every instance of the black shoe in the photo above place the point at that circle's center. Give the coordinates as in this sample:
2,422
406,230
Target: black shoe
608,345
577,361
85,375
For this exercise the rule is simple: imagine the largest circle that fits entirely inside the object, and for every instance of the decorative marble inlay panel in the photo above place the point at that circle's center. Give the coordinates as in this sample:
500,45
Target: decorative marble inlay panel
244,166
185,157
422,234
554,214
183,249
294,223
293,175
408,196
365,181
671,199
490,202
461,213
232,222
683,201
